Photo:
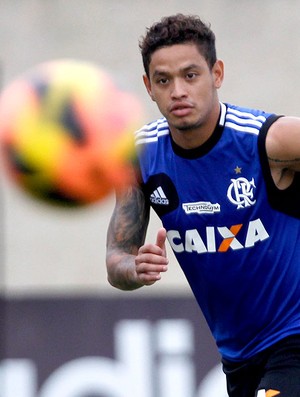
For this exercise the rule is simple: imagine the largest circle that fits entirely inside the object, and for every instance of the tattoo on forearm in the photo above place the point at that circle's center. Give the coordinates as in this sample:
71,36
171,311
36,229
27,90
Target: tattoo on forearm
129,222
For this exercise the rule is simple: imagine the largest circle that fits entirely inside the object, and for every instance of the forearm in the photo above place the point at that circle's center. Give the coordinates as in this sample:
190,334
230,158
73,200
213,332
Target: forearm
121,271
126,233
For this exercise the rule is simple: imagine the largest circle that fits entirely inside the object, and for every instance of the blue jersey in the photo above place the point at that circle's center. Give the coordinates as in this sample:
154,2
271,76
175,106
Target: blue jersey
233,232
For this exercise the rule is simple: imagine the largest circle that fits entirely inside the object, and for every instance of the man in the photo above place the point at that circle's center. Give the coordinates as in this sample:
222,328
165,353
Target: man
224,180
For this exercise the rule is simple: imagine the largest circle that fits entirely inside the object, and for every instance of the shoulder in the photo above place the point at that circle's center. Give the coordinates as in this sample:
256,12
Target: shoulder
152,131
283,139
285,125
245,119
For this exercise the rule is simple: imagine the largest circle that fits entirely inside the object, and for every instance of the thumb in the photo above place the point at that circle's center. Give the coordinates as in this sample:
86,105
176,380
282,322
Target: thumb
161,238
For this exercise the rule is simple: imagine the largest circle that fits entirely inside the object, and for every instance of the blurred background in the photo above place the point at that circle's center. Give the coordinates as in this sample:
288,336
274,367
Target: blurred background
65,331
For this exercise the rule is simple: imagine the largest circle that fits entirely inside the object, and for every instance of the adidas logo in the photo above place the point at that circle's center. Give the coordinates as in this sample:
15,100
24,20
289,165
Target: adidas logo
159,197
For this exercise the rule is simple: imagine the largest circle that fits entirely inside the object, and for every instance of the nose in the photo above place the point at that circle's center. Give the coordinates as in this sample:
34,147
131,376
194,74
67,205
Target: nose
178,89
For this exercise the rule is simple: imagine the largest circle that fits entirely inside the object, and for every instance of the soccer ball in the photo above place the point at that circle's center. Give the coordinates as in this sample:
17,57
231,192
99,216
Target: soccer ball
66,132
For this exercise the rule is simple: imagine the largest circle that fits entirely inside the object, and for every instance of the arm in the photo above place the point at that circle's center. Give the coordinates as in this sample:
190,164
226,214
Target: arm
130,263
283,150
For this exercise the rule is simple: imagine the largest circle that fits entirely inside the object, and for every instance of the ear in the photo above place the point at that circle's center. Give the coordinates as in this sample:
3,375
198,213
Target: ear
148,86
218,72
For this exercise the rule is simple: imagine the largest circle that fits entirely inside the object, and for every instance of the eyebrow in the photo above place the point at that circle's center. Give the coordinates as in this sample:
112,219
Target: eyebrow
185,69
192,66
159,73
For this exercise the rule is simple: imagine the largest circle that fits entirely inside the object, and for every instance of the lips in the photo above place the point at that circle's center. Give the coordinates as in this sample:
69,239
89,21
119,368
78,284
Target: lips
181,109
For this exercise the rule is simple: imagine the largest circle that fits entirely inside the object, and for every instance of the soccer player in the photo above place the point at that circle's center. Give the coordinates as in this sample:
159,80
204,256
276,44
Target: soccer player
225,181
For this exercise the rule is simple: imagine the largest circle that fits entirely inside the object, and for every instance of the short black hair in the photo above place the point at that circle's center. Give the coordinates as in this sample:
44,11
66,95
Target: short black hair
178,29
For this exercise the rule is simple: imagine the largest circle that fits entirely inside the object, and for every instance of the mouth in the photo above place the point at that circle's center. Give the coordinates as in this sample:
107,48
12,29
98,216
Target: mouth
181,109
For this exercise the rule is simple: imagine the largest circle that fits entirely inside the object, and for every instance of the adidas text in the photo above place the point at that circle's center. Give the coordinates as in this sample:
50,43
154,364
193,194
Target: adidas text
159,197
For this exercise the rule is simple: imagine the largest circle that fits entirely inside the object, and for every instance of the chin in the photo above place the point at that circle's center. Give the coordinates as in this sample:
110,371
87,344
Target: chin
186,126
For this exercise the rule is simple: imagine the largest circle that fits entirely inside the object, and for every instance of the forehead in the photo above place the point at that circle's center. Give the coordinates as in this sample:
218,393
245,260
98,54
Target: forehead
175,57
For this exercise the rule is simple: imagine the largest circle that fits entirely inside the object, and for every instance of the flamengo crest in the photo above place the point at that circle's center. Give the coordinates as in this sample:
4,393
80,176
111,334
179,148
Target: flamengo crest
240,192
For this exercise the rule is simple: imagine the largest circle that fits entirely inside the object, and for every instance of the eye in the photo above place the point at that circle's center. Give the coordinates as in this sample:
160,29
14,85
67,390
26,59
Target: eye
163,81
191,75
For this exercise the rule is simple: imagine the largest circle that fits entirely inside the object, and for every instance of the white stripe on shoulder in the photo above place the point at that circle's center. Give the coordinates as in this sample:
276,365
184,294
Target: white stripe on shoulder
254,122
244,121
152,131
244,114
240,128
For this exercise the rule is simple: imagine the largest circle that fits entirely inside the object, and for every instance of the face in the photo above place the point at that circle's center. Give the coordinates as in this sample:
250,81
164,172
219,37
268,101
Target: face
185,91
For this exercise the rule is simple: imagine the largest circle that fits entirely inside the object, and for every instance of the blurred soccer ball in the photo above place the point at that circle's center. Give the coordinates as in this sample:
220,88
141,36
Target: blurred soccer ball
66,132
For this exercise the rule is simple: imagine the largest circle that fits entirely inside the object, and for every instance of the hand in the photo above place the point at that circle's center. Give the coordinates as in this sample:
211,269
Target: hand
152,260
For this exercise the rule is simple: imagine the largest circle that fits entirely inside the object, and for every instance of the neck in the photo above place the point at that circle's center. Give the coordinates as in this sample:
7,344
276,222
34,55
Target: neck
194,136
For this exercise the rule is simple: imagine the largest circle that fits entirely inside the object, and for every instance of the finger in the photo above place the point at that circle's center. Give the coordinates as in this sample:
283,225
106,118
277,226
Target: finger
160,264
161,238
151,258
149,278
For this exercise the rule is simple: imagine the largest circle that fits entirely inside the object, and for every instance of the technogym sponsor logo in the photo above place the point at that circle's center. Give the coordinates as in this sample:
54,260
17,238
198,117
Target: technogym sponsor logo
159,197
201,207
